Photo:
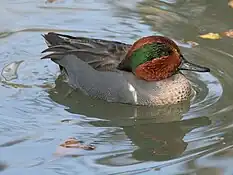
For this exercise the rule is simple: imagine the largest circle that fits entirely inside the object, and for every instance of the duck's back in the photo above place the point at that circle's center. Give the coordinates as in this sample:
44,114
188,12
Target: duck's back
102,55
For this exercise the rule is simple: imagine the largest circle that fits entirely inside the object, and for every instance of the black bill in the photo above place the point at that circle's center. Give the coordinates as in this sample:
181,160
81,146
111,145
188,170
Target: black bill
186,65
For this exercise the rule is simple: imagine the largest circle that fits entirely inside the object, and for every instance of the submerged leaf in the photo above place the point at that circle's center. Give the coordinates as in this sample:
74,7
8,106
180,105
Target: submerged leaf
213,36
3,166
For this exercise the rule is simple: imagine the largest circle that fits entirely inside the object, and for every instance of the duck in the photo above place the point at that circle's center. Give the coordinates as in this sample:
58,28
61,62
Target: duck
145,73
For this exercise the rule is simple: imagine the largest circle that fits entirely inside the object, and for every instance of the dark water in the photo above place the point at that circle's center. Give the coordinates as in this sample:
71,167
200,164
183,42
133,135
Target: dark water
38,113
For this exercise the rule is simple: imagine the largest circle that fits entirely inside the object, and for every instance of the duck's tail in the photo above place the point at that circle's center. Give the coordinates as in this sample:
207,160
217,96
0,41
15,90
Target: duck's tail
58,44
95,52
82,47
53,39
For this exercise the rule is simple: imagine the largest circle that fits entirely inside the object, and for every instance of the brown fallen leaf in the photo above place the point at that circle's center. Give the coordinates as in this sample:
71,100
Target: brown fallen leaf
74,143
68,148
230,3
228,33
213,36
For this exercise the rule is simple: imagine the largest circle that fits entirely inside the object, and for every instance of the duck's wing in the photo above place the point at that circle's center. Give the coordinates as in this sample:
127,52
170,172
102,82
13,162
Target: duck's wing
102,55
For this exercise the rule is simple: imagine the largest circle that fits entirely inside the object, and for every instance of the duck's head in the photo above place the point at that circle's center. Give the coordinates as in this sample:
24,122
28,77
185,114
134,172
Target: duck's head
154,58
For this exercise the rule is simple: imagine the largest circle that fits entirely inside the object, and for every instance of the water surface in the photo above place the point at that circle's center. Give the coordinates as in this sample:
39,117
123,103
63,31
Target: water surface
38,112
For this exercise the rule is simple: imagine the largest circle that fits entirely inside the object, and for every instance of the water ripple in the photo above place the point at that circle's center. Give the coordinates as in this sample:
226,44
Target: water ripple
183,138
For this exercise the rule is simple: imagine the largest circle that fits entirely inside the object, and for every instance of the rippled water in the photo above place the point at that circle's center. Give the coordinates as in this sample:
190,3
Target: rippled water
38,113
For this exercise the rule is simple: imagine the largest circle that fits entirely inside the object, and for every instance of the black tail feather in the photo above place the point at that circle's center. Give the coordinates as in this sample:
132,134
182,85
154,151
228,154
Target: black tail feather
58,48
98,53
53,56
53,39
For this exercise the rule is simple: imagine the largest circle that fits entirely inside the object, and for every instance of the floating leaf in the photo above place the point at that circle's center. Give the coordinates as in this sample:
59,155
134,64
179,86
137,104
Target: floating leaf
230,3
228,33
213,36
67,148
74,143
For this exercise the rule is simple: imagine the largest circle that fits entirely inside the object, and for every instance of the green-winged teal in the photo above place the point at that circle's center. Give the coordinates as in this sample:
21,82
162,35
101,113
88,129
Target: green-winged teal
145,73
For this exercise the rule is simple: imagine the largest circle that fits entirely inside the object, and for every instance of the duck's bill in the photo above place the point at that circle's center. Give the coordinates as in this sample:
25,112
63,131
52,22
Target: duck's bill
186,65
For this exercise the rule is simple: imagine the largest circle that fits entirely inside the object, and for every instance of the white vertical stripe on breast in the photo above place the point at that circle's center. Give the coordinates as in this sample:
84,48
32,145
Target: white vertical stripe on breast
134,93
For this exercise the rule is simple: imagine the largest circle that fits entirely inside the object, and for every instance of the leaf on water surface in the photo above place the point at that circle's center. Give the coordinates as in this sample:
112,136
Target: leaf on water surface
213,36
228,33
72,143
230,3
